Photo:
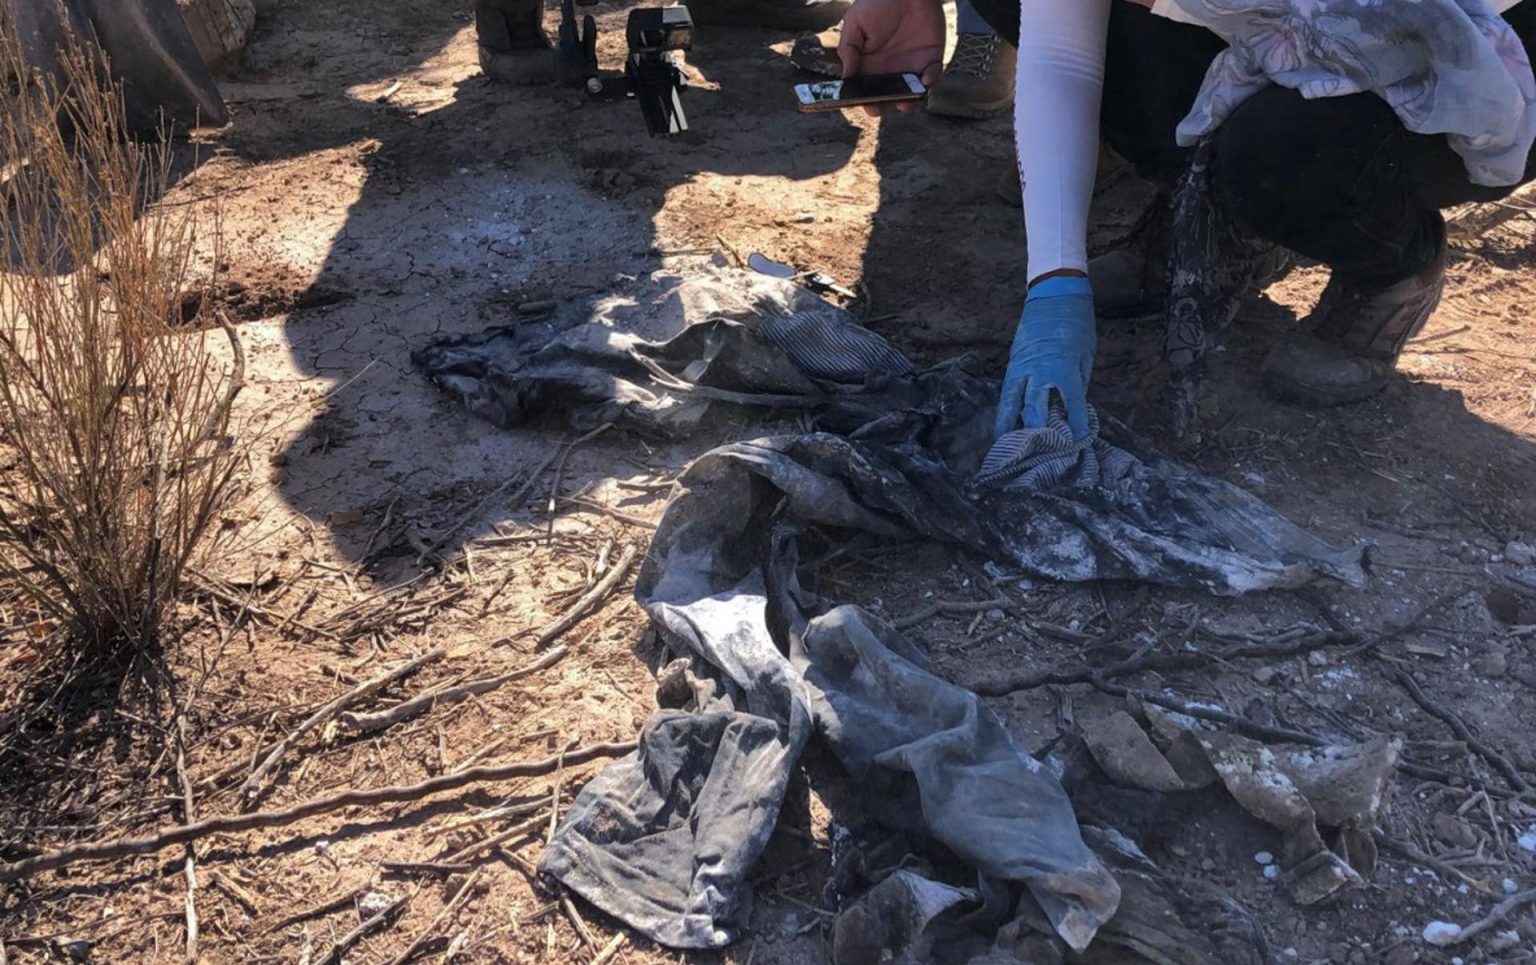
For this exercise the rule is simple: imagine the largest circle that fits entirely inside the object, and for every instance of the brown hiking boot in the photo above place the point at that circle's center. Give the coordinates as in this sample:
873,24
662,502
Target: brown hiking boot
978,81
1358,330
514,48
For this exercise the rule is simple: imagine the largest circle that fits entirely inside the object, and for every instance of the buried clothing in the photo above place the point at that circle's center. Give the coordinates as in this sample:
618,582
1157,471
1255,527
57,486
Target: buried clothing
665,839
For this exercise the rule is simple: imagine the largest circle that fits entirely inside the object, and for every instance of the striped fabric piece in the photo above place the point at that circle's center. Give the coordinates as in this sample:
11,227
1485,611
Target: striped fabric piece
824,346
1050,458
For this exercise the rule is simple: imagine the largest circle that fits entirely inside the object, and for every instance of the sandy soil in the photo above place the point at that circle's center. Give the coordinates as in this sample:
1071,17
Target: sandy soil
377,192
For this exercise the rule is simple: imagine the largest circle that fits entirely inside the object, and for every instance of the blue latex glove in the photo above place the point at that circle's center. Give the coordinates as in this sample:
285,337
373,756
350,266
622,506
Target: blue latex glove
1052,349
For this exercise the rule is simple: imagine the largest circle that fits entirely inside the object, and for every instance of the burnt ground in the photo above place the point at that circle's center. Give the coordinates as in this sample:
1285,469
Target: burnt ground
377,192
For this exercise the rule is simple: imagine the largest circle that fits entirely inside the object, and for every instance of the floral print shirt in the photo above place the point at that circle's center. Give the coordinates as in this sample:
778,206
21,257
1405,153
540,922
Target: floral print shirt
1452,67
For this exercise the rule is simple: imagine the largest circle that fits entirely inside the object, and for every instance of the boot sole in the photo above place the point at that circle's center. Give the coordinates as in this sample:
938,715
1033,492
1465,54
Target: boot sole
967,112
1307,396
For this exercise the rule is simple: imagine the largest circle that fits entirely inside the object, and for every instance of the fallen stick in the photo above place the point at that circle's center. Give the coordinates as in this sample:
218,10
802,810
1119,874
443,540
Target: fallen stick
495,814
577,922
333,903
228,824
516,500
582,607
251,789
521,831
443,915
1163,662
1495,917
376,923
1240,724
565,455
1408,852
441,697
424,867
189,816
952,607
1463,733
278,620
609,950
242,897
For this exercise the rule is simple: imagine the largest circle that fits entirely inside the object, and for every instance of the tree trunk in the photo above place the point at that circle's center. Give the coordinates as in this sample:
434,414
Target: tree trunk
220,29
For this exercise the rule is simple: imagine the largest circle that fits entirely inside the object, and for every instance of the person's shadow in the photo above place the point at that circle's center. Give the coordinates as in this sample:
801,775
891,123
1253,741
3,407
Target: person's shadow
464,200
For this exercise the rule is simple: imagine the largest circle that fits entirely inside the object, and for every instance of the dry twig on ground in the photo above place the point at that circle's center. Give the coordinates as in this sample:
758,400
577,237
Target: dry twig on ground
589,601
443,696
125,847
251,789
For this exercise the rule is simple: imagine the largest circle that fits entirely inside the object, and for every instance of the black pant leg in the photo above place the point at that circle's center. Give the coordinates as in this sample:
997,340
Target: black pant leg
1152,75
1340,179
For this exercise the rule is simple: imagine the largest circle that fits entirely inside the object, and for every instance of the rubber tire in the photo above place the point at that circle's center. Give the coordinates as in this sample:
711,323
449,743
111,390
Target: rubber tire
220,29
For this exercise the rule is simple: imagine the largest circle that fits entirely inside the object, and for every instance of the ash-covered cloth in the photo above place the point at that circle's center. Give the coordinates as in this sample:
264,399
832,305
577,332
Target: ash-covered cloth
1452,67
664,839
658,359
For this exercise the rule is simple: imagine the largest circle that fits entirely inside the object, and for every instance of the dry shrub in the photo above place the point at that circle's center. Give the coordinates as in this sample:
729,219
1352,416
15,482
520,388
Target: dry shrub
115,395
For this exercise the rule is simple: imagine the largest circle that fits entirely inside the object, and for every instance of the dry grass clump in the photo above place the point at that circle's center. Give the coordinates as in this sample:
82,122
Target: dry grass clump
115,406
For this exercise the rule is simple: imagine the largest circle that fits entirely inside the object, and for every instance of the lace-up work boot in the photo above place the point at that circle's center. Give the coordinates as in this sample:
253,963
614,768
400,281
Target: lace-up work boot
514,48
1357,332
978,81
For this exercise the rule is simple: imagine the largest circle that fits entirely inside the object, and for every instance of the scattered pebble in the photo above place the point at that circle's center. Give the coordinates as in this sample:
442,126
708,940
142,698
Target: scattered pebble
1272,871
1510,887
995,615
1265,675
1520,554
372,904
1264,857
1527,841
1491,664
1441,933
1317,658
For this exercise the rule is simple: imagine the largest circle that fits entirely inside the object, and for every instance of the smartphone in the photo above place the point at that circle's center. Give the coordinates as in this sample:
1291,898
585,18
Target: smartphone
836,95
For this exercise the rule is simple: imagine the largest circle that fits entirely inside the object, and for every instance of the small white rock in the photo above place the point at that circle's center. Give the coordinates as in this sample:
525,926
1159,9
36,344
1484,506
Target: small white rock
372,904
1441,933
1528,841
1520,554
1271,871
1510,886
1264,857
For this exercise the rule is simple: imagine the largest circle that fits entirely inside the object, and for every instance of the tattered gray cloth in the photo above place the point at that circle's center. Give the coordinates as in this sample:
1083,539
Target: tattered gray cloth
664,839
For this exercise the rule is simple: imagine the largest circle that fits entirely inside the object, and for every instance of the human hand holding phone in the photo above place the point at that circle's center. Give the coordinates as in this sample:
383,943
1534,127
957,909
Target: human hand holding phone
893,37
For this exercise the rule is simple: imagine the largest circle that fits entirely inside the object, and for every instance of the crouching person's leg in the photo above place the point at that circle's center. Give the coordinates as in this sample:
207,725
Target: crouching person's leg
1341,181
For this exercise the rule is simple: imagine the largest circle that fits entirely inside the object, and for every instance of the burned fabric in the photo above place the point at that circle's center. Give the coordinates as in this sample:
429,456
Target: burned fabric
658,361
664,839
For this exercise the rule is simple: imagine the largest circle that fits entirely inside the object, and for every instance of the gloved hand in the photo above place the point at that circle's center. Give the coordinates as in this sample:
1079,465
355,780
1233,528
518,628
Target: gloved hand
1052,349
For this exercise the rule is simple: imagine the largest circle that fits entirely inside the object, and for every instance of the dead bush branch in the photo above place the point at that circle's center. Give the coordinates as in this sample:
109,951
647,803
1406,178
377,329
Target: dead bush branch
251,789
171,837
443,696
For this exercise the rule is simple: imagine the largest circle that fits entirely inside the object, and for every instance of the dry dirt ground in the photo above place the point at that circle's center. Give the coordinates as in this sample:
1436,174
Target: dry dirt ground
377,192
